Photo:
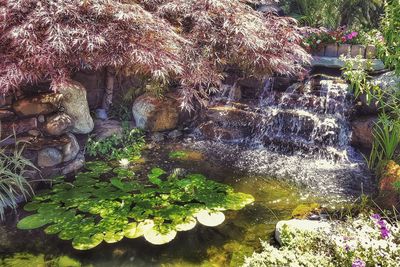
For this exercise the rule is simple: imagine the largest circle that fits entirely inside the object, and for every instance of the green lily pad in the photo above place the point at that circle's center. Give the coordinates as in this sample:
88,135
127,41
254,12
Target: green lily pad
32,206
154,175
98,167
113,237
87,242
33,222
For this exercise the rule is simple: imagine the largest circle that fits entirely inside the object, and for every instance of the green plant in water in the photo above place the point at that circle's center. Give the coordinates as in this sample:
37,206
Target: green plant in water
92,209
127,146
179,154
13,167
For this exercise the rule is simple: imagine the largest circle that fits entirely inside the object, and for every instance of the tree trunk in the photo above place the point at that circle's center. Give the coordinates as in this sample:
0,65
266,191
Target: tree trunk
108,94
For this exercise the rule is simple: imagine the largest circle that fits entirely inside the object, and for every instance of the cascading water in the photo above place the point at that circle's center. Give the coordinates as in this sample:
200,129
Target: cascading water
301,133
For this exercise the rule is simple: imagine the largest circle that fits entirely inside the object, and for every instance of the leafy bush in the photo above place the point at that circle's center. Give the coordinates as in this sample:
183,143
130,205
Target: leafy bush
191,42
366,241
335,13
13,183
127,146
390,52
91,209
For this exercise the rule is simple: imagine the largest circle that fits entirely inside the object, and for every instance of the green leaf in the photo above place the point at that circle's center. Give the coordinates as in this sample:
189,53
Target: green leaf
33,222
154,175
87,242
32,206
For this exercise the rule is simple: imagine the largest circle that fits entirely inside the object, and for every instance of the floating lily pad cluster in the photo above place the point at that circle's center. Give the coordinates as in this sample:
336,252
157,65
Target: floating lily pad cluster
93,209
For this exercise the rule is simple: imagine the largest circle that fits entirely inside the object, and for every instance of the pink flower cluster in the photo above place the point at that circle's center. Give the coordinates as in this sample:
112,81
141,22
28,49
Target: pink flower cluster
349,37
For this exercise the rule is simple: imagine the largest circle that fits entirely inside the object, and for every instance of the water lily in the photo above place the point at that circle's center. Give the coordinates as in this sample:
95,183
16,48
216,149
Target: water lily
124,163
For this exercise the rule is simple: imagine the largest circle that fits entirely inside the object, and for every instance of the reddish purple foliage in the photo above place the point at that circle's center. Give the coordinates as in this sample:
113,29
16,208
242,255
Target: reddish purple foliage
191,41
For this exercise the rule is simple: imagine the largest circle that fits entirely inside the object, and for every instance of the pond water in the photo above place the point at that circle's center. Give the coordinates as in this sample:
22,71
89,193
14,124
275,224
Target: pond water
225,245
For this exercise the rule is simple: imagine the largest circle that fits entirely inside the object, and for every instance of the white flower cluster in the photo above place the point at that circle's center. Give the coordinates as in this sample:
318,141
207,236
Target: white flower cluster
361,242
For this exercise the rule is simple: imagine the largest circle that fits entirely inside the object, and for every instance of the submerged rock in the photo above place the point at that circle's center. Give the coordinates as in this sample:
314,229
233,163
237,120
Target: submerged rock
155,114
74,165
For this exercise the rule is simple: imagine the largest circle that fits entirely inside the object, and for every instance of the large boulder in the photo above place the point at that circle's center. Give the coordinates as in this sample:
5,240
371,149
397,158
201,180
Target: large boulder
58,124
362,131
76,106
38,104
156,114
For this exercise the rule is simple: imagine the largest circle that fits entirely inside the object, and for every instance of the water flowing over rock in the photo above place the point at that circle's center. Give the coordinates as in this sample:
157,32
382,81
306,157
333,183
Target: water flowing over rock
302,134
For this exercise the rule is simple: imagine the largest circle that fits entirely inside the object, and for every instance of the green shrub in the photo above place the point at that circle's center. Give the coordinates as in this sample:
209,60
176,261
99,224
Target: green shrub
390,52
127,146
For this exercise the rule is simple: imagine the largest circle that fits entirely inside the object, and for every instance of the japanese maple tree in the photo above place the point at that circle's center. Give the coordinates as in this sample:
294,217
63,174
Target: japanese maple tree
189,41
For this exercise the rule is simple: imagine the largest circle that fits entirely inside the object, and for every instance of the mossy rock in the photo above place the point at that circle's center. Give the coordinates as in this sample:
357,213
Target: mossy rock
302,211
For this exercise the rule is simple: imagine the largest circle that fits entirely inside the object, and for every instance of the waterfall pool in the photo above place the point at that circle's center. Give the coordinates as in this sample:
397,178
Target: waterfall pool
225,245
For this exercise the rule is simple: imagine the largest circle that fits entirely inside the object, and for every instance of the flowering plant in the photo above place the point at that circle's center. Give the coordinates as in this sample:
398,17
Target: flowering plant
340,35
365,241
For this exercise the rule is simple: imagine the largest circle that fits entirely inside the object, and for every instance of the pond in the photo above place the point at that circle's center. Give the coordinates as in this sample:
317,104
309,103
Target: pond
224,245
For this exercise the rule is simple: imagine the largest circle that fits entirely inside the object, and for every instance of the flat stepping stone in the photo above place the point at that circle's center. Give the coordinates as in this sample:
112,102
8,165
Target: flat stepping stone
337,63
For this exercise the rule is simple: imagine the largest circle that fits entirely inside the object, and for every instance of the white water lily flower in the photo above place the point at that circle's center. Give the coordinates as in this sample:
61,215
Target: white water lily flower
124,163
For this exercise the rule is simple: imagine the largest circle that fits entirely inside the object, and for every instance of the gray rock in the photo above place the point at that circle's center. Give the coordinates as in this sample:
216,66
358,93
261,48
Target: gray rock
34,133
76,106
301,225
271,8
41,118
103,129
49,157
101,114
74,165
362,131
154,114
337,63
58,124
157,137
175,134
388,80
71,150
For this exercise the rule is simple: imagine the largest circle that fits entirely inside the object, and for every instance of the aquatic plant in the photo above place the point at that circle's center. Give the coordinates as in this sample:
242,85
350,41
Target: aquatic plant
92,209
179,154
127,146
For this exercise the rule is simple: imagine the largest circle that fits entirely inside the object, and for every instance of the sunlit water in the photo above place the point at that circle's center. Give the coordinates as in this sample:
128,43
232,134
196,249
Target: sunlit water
225,245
